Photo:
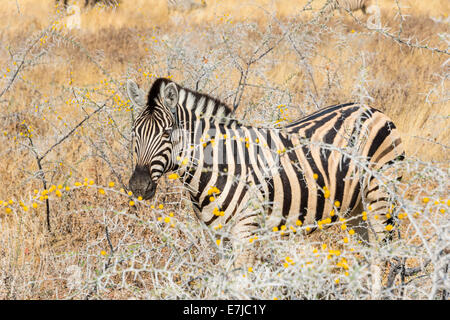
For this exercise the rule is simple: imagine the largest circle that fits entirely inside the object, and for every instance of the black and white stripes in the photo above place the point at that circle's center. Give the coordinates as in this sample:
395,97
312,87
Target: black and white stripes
350,5
311,170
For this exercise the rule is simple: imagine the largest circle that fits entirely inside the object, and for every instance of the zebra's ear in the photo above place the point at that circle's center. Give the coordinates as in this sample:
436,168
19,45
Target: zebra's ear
169,95
136,95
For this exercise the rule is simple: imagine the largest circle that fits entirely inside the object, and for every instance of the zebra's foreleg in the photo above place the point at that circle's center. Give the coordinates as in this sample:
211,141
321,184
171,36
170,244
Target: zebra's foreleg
243,245
379,214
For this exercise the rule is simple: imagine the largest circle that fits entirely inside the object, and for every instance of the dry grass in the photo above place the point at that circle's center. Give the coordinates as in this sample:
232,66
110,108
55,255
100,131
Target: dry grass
70,73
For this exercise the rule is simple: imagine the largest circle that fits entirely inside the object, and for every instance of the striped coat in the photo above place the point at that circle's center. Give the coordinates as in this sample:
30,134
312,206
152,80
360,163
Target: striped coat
351,5
91,2
301,174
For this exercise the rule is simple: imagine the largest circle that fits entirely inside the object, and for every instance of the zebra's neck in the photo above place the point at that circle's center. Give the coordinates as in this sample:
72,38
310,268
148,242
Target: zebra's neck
193,106
196,113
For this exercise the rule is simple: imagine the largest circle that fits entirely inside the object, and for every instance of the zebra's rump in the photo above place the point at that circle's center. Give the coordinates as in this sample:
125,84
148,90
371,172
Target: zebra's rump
332,150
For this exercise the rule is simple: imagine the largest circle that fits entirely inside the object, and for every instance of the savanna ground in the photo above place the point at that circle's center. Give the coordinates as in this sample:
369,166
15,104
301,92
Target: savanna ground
69,229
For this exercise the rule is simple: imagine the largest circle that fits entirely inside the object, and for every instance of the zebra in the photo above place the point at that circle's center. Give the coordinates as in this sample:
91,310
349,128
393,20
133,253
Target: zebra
93,3
225,165
350,5
184,5
90,2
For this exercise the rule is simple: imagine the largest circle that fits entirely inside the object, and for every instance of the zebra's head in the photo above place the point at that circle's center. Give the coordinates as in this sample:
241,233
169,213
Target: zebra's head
152,132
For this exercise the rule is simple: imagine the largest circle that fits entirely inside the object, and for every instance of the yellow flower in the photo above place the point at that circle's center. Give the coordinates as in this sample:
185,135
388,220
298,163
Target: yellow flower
250,269
103,253
161,206
425,200
389,227
167,219
364,216
174,176
213,190
351,232
275,229
34,205
218,242
101,191
298,223
131,203
337,203
343,227
111,184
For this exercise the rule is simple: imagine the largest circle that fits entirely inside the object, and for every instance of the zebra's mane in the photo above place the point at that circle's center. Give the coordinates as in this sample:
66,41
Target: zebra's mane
200,104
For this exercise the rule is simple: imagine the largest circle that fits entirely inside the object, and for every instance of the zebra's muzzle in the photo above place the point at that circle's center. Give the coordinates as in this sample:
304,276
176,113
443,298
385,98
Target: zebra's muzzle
141,183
